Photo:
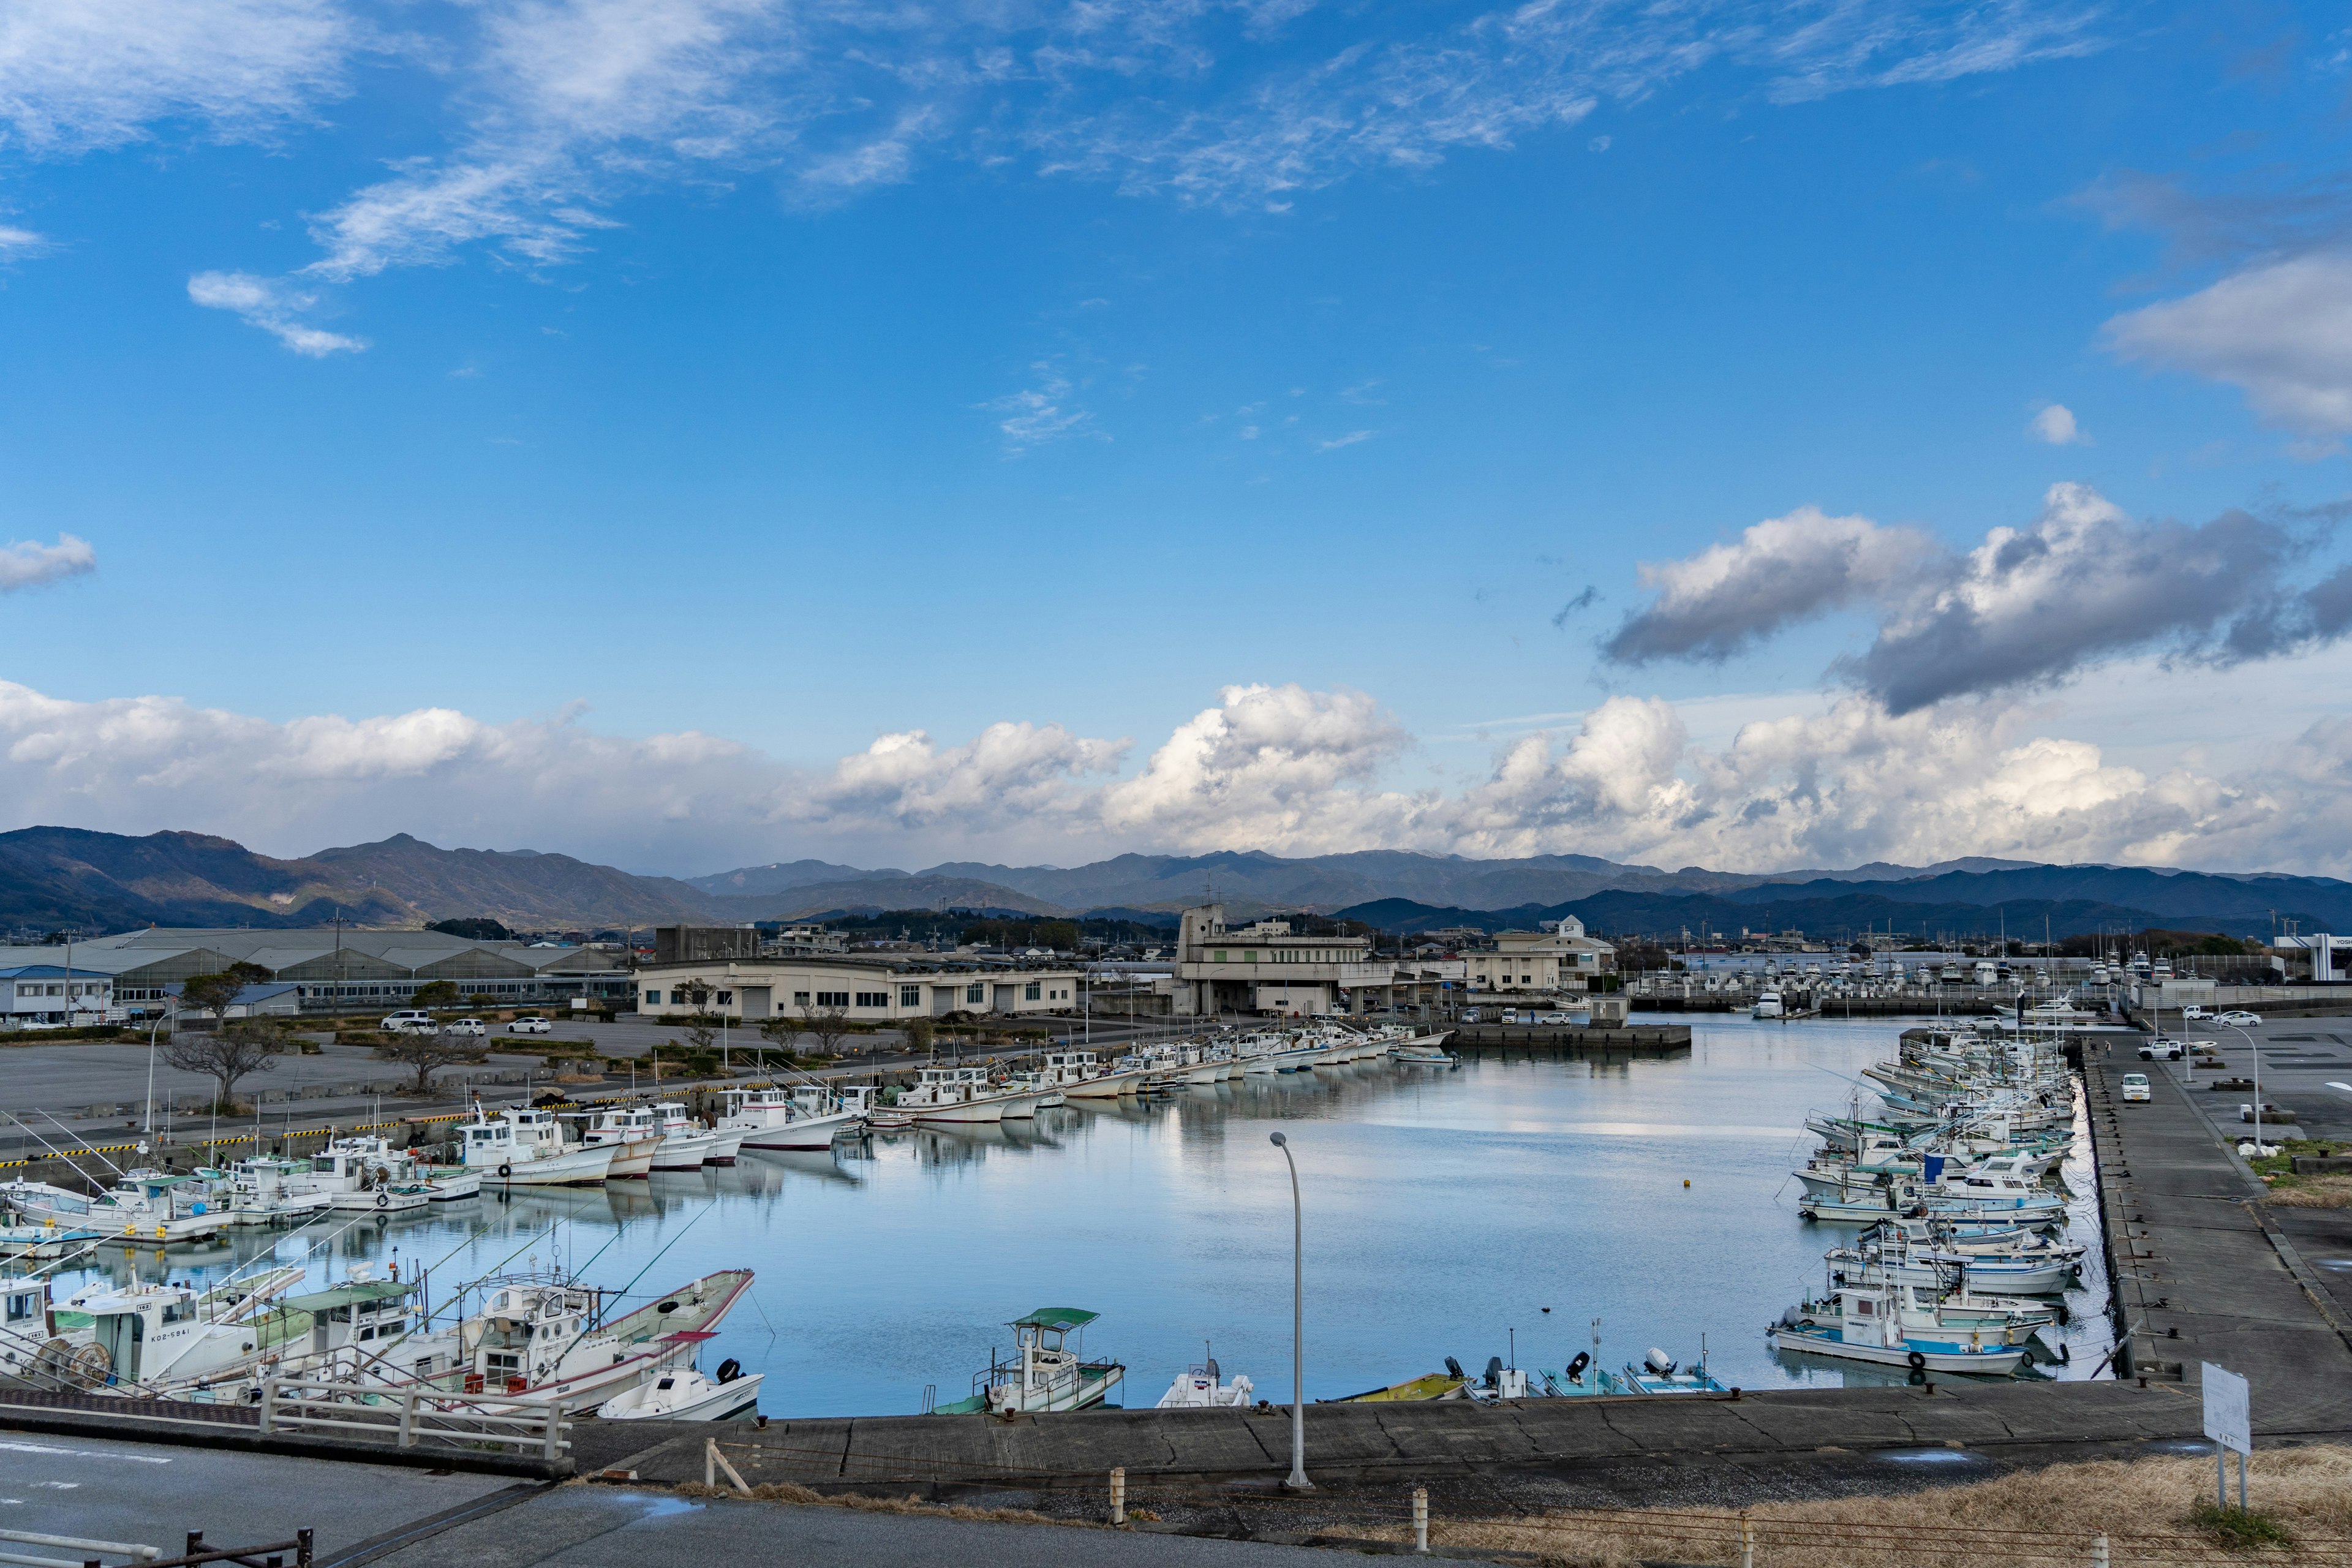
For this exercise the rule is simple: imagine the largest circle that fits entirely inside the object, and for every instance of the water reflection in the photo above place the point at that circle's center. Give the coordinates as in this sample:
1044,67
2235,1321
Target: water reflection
1444,1208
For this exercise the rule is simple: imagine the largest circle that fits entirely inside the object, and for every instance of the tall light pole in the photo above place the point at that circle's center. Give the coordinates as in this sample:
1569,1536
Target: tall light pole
171,1010
1297,1481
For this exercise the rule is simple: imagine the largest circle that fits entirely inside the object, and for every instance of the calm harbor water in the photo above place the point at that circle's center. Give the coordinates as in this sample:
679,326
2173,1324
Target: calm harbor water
1446,1208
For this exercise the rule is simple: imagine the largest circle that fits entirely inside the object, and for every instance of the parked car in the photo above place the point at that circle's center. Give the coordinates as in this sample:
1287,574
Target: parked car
2160,1050
1470,1014
2192,1010
1553,1018
1511,1015
2239,1019
532,1026
468,1027
2135,1086
410,1021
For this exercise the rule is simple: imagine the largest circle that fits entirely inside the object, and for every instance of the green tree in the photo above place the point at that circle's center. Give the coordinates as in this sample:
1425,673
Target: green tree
437,993
782,1031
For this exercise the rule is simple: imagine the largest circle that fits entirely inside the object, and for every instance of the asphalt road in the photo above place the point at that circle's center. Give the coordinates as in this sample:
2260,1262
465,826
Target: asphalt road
153,1494
584,1526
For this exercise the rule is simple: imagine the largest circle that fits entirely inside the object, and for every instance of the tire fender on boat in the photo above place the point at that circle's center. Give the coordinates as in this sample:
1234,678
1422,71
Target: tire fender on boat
1916,1359
505,1170
382,1199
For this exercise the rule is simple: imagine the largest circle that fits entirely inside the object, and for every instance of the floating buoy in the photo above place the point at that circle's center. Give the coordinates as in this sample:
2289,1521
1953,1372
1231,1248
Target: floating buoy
1686,1181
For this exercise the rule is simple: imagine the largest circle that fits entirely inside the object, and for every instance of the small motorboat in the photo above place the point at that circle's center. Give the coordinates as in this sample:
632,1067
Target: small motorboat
1658,1373
681,1393
1429,1055
1198,1388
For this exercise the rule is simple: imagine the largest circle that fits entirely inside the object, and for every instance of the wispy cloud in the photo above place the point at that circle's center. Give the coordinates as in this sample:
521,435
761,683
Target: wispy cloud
1042,413
273,305
27,563
556,109
1350,439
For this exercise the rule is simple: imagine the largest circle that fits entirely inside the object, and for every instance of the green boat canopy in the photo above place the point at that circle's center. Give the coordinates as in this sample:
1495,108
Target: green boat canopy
1063,1319
345,1294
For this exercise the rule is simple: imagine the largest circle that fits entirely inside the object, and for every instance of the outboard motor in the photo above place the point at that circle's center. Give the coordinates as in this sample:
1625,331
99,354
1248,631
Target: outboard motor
1659,1362
1453,1369
1493,1370
1576,1368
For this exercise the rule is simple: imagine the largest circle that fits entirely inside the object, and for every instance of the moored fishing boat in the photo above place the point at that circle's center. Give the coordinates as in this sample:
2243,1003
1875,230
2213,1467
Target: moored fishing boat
1045,1373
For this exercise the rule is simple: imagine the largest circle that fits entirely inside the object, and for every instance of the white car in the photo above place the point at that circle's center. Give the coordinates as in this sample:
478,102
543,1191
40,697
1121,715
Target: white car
2135,1086
2160,1050
530,1026
468,1027
410,1021
2240,1020
2192,1010
1553,1018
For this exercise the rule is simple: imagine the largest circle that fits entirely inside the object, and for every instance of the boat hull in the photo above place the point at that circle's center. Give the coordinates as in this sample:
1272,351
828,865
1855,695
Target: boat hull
1998,1362
805,1132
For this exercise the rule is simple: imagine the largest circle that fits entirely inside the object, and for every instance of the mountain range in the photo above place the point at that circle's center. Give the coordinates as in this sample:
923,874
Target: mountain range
57,876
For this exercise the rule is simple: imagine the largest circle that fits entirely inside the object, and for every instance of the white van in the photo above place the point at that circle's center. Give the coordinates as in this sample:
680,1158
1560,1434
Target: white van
410,1021
2135,1086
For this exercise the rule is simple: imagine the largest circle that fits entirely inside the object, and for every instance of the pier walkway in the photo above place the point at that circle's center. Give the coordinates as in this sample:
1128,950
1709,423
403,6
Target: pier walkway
2203,1270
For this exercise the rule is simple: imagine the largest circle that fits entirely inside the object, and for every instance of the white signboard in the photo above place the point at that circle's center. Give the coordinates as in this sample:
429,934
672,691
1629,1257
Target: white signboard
2227,1421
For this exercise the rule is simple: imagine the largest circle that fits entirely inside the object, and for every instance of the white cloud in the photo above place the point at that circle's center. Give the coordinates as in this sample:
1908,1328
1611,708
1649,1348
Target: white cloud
82,74
275,307
1351,438
1274,767
1780,572
2054,424
16,242
24,563
2282,332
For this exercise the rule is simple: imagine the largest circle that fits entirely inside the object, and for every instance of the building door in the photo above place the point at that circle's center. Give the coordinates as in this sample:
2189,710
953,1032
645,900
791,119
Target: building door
756,1003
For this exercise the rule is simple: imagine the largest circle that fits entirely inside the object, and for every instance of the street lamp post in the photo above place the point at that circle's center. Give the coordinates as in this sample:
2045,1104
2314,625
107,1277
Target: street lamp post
1297,1481
2254,1051
172,1010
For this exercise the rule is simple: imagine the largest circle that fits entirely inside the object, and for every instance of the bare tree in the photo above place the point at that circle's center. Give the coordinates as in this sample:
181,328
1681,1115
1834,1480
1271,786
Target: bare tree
782,1031
826,1025
702,1032
226,1054
428,1053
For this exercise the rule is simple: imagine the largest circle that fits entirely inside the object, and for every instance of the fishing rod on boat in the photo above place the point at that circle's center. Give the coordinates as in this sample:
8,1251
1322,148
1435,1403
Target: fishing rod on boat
54,1152
83,1141
656,1258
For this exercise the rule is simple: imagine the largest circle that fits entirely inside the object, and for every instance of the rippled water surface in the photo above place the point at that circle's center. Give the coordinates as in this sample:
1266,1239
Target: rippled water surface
1444,1207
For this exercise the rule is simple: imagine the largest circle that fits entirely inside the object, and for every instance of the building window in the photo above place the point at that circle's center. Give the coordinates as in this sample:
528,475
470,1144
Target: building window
1030,993
1218,956
725,998
833,998
1249,955
874,998
910,996
653,998
800,999
975,993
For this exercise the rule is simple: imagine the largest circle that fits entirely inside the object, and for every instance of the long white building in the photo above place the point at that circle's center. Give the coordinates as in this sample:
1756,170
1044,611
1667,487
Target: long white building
881,989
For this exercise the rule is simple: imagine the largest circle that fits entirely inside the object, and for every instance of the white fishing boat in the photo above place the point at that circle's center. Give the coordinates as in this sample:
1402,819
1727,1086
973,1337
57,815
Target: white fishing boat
20,1243
807,1117
144,1206
635,1135
676,1390
965,1094
147,1333
1768,1006
542,1338
525,1148
1872,1324
1124,1076
366,1176
685,1146
272,1190
1046,1374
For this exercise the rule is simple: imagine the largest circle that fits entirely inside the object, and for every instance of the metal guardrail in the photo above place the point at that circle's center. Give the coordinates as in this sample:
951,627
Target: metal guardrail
410,1418
85,1552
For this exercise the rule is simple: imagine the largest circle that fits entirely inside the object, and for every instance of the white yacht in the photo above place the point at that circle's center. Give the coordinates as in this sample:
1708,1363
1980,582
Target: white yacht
678,1391
1198,1388
1768,1006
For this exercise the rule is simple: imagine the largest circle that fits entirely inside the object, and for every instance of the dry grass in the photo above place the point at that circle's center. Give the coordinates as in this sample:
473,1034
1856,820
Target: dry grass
2148,1509
2312,1192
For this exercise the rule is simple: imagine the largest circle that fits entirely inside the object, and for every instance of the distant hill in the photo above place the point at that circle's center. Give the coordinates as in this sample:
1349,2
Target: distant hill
54,877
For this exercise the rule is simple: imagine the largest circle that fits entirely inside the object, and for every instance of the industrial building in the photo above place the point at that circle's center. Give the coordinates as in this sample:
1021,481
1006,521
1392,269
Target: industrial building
336,970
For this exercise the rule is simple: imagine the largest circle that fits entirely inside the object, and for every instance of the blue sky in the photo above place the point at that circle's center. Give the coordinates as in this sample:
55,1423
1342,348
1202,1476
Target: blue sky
586,426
